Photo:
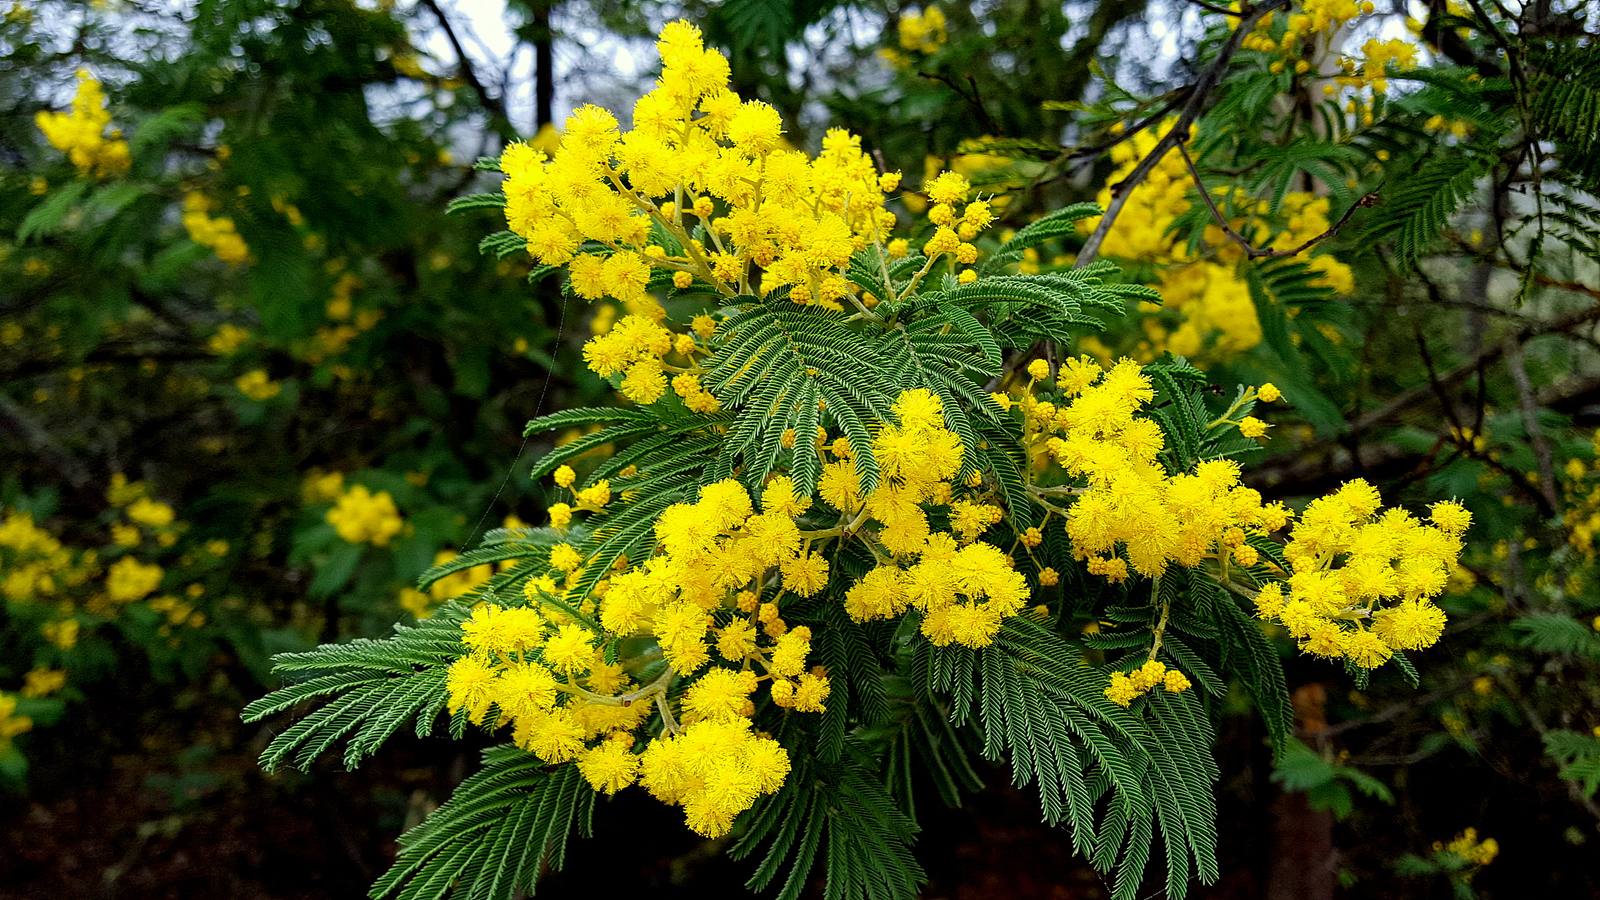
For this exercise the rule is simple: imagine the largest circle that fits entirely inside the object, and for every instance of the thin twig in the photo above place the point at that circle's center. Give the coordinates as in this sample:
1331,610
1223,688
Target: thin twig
1530,422
1537,721
1220,10
493,105
1094,151
1194,100
23,426
974,99
1411,398
1251,251
1539,278
1460,437
1180,129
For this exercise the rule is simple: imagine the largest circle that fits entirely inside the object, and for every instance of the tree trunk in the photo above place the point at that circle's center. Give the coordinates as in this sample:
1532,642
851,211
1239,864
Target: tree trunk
544,66
1303,858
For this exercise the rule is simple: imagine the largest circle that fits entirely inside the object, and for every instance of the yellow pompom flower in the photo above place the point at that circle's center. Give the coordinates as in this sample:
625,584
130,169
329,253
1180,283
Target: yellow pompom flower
560,515
129,580
570,649
469,684
609,767
720,694
85,133
363,517
1450,517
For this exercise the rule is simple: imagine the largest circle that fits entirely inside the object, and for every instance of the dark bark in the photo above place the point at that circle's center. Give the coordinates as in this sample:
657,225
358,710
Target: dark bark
544,66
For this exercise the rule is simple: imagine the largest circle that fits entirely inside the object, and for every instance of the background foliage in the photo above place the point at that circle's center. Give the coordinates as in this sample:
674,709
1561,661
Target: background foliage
363,340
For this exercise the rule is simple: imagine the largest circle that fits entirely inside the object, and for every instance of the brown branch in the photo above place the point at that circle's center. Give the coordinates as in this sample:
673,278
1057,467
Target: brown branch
1310,472
22,425
1094,150
1511,689
1397,710
1528,405
1251,251
973,99
1539,278
1488,355
494,106
1220,10
1192,109
1544,280
1194,100
1458,433
544,65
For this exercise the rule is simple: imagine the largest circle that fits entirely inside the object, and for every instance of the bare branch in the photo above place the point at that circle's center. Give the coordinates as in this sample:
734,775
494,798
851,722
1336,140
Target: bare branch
495,106
973,98
1410,399
19,423
1192,109
1528,404
1253,252
1220,10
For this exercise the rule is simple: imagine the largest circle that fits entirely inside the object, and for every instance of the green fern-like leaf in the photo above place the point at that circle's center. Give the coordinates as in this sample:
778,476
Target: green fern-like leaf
1059,224
1289,298
499,831
494,200
1046,713
789,368
842,812
1414,214
1249,655
1564,103
1558,634
367,689
526,543
1578,755
920,740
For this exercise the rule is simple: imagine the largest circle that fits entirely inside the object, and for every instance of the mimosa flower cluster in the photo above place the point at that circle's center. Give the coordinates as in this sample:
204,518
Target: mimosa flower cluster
917,34
543,668
257,385
37,566
1364,579
1360,581
58,596
215,232
702,619
962,593
1580,488
44,575
362,516
696,154
665,645
1128,686
11,722
1471,849
1313,21
704,193
1301,42
85,134
1130,513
